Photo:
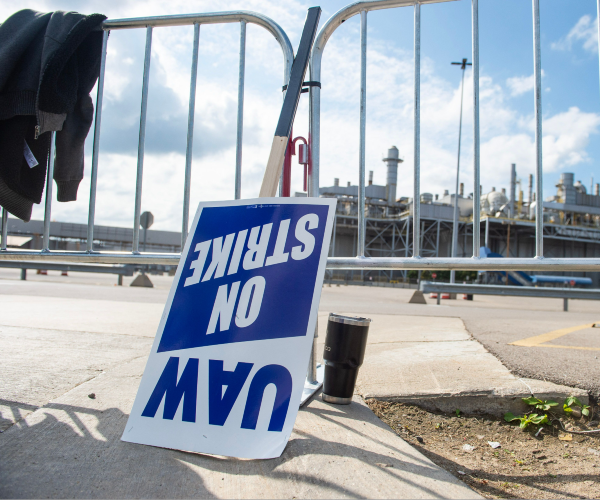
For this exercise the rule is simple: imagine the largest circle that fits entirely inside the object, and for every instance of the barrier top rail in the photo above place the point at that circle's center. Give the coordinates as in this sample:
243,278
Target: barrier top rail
345,13
211,18
135,257
416,261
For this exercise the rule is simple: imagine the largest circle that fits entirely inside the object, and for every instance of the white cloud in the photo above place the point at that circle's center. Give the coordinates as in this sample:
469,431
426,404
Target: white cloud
566,136
519,85
585,31
565,139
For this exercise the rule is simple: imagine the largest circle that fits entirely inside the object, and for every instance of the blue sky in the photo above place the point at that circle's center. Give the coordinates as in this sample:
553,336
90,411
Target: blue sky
571,99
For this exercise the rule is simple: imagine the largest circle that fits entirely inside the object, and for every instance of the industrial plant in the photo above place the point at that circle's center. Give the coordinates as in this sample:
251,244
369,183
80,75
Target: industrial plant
571,220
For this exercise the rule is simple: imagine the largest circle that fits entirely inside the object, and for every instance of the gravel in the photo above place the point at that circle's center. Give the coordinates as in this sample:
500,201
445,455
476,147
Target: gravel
522,466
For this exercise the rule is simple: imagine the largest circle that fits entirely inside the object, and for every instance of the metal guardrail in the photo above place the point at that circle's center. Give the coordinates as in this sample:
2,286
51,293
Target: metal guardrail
416,261
149,23
510,291
80,268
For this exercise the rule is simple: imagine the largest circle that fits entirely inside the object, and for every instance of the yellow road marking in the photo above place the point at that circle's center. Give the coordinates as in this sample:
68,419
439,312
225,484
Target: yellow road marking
569,347
538,340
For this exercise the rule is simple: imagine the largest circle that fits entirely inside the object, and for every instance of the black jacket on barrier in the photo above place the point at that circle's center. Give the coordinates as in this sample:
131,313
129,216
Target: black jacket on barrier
49,63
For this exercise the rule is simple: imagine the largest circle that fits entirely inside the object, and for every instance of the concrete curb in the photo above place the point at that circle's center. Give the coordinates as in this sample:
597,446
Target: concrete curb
482,403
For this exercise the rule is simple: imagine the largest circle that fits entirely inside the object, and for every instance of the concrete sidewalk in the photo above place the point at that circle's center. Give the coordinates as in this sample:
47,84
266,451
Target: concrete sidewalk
65,444
62,342
71,448
435,363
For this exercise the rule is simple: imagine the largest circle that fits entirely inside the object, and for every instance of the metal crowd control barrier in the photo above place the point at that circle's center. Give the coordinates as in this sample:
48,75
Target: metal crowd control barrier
362,262
539,262
511,291
149,23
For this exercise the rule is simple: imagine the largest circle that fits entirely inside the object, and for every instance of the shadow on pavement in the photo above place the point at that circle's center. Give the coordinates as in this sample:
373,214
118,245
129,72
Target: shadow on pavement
72,451
13,411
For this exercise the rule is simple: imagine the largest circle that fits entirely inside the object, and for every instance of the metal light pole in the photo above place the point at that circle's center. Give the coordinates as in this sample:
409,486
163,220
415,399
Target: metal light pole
463,65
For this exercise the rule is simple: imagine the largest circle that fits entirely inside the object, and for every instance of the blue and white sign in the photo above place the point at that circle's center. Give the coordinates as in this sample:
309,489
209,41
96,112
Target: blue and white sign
228,364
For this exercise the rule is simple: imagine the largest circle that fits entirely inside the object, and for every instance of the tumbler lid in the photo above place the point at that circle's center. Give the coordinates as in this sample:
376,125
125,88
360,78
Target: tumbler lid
349,320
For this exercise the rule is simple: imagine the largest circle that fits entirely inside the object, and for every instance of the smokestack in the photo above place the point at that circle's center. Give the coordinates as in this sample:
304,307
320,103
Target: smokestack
336,181
437,196
349,184
446,193
513,185
597,192
493,189
392,161
461,190
567,178
530,193
504,191
370,177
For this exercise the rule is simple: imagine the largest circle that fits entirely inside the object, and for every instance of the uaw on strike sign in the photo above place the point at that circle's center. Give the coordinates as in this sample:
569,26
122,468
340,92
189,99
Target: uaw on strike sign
228,364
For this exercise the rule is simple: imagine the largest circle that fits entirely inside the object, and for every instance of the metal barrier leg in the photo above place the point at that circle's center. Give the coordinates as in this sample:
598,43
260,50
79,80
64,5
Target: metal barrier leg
120,280
49,185
439,297
23,274
565,305
314,376
312,364
4,229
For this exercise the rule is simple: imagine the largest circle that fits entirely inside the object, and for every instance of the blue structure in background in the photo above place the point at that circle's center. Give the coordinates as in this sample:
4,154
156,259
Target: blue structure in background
520,278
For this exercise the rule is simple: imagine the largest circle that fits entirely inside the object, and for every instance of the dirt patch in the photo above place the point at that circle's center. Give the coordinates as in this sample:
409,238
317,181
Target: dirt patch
552,465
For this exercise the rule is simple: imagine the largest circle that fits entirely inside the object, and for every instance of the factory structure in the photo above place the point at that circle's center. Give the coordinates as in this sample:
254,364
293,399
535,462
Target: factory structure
571,224
571,221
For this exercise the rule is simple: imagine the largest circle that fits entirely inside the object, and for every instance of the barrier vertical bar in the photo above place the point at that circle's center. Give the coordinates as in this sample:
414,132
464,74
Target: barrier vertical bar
141,143
49,189
314,135
240,113
363,124
537,71
96,146
476,144
417,137
190,137
455,224
4,228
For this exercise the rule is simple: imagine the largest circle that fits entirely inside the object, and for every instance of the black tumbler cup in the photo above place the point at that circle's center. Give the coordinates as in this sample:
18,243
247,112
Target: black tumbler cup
345,345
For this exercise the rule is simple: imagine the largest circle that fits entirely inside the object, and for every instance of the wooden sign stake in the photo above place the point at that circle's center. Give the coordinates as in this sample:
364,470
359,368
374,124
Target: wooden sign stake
290,105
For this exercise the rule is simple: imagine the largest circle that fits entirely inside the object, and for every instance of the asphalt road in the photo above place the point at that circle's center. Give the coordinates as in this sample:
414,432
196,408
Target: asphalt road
569,359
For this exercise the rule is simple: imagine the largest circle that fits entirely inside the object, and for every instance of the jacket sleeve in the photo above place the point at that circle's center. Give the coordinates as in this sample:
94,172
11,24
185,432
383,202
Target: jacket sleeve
70,142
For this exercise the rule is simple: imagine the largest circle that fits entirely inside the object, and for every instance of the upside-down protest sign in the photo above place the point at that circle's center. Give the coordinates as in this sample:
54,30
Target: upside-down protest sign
227,367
